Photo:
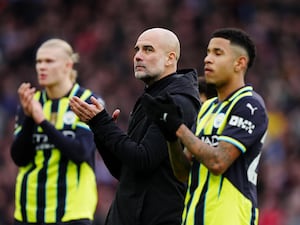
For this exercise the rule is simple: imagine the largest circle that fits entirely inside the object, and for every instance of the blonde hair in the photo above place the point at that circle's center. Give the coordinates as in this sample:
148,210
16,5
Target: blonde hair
74,57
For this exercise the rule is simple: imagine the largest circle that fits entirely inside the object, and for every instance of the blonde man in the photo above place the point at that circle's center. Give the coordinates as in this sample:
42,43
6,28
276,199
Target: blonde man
53,149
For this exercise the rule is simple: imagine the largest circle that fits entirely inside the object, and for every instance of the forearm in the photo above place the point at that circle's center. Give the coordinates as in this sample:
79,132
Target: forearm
144,154
22,150
112,163
77,149
210,156
180,163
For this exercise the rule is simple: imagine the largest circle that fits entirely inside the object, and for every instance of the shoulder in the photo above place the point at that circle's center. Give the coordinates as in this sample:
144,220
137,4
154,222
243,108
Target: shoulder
252,102
85,94
246,97
250,110
189,76
184,87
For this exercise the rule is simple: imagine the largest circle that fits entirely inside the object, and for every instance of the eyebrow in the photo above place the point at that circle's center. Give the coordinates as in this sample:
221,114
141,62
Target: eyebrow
143,46
215,49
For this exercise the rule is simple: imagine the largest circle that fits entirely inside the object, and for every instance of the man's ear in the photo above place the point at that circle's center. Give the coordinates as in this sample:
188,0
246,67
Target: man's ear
171,58
240,63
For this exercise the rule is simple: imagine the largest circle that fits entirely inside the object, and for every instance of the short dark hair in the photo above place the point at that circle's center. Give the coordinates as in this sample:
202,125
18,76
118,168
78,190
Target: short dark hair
238,37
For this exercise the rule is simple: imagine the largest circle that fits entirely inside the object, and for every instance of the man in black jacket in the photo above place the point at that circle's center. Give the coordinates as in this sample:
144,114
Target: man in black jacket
148,192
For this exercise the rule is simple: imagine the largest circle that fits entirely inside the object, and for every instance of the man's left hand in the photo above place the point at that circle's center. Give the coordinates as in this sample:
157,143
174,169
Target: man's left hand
165,113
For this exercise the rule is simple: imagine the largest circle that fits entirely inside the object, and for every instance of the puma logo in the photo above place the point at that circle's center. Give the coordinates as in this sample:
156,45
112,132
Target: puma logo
252,109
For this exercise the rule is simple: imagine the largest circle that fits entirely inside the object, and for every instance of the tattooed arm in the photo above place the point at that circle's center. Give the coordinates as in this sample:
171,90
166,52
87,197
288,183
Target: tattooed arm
216,159
180,160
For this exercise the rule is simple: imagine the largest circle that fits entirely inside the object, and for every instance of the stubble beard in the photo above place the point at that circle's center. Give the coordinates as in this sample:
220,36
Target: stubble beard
146,78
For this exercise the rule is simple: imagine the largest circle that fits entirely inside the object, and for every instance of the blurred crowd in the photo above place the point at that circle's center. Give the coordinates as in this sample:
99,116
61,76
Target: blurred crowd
104,34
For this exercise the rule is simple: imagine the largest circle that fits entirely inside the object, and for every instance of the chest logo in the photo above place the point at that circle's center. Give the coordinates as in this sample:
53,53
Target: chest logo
69,118
219,120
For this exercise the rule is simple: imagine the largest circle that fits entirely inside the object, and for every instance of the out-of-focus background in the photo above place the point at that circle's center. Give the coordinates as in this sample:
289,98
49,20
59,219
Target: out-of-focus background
104,34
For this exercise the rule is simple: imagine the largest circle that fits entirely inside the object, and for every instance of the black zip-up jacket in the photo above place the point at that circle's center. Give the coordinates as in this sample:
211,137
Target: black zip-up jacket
148,192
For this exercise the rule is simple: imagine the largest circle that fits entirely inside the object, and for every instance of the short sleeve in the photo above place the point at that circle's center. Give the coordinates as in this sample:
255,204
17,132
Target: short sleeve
246,124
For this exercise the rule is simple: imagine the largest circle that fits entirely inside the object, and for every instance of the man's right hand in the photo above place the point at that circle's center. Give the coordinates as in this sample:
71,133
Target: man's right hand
26,93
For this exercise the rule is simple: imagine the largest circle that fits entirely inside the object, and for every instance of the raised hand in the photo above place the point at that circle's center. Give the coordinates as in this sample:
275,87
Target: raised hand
165,113
26,93
85,111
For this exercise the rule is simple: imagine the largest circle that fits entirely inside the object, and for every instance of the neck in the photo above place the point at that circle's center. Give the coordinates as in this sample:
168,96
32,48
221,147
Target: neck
58,91
226,90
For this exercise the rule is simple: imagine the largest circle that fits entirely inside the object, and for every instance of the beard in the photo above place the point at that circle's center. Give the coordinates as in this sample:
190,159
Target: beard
146,78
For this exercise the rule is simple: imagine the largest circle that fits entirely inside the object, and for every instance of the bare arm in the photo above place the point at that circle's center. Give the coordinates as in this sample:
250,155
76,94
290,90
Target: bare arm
180,160
216,159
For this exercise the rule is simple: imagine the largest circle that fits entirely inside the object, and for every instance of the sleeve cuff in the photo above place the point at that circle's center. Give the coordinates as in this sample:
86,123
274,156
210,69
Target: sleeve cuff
100,119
